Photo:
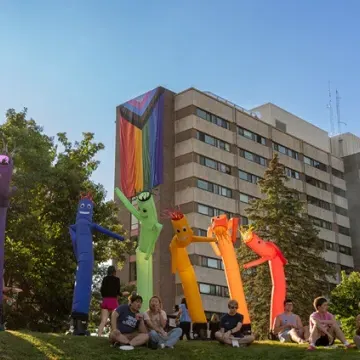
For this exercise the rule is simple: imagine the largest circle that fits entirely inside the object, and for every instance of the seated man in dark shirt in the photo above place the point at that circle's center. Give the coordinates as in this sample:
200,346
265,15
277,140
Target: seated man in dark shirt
127,324
230,328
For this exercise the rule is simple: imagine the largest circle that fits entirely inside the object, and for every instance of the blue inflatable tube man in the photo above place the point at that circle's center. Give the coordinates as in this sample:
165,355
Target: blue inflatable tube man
81,236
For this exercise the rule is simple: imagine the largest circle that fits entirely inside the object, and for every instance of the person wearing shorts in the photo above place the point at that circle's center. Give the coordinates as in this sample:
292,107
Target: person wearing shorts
288,326
110,290
323,327
127,324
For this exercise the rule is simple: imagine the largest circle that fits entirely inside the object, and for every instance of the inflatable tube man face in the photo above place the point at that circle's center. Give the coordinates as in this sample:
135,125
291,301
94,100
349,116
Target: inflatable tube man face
146,204
85,208
6,170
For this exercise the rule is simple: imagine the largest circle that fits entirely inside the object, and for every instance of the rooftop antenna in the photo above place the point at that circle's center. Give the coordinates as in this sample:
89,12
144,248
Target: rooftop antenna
331,113
339,122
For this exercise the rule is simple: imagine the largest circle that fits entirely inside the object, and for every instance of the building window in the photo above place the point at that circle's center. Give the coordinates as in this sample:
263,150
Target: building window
252,136
248,177
344,230
292,173
280,125
337,173
339,192
345,250
210,140
210,289
321,223
331,264
211,263
286,151
215,165
244,220
252,157
246,198
132,271
210,211
212,118
319,203
214,188
314,163
201,232
329,245
347,269
317,183
341,211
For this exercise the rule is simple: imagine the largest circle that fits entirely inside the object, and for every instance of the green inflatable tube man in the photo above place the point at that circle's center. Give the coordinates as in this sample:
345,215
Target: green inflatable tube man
149,232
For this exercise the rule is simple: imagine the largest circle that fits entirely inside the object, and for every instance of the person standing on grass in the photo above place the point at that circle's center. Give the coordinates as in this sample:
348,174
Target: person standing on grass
288,326
156,320
110,290
323,327
184,320
127,324
230,328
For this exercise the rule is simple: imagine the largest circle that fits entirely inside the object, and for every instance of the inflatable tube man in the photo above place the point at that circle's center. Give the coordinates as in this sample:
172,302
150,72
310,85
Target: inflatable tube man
225,232
81,236
149,233
270,253
6,191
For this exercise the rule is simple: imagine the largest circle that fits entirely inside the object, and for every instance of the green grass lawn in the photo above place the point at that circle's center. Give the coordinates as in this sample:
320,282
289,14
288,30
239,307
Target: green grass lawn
30,346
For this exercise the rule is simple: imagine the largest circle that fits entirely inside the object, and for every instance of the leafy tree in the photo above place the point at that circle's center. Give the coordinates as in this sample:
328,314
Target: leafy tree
38,251
281,217
345,301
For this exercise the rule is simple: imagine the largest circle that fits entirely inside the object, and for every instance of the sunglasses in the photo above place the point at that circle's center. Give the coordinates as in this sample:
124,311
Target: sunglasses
234,307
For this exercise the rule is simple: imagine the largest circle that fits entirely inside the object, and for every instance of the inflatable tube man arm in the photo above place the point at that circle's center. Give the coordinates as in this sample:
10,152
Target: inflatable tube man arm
107,232
127,203
255,263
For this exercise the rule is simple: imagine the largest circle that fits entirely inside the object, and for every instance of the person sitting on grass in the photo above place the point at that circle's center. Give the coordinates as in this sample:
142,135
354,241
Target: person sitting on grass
323,327
288,326
156,319
127,324
230,328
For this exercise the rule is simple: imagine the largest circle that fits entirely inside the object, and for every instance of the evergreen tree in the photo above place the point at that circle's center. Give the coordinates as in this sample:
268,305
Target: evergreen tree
282,217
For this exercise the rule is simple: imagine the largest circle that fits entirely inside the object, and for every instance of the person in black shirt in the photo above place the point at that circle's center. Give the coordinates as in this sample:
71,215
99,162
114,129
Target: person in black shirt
230,327
110,290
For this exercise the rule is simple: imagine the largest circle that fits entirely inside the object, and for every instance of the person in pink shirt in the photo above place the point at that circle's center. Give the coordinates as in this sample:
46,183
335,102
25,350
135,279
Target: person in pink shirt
323,326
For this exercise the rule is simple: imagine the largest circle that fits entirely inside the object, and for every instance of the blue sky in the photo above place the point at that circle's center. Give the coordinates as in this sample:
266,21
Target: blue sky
71,62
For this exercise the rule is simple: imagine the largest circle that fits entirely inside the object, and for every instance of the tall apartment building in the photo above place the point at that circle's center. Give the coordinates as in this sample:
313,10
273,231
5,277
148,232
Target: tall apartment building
347,146
213,153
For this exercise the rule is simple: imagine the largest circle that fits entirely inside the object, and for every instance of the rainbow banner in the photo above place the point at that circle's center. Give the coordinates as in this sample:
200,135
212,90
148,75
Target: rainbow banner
140,126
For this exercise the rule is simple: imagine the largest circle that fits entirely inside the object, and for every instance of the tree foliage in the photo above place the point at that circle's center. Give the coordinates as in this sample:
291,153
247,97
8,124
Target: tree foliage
50,175
280,216
345,301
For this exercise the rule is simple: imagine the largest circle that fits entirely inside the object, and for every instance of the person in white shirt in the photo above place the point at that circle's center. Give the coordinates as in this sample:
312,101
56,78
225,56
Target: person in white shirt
156,320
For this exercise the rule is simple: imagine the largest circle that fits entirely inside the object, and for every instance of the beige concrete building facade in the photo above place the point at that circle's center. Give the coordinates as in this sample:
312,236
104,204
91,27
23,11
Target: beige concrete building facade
220,152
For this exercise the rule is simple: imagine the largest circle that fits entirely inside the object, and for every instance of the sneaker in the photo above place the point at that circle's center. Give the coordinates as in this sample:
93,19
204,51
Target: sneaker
235,343
126,347
162,346
311,348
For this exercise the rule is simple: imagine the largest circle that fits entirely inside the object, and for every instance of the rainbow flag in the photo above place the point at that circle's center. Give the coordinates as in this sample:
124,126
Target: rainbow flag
140,127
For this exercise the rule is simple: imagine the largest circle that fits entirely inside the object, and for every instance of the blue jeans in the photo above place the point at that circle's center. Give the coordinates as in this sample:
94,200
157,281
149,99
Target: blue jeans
170,340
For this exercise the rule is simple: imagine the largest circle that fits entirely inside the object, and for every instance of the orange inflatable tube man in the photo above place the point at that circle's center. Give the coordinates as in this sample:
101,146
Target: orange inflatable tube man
180,262
225,233
268,251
